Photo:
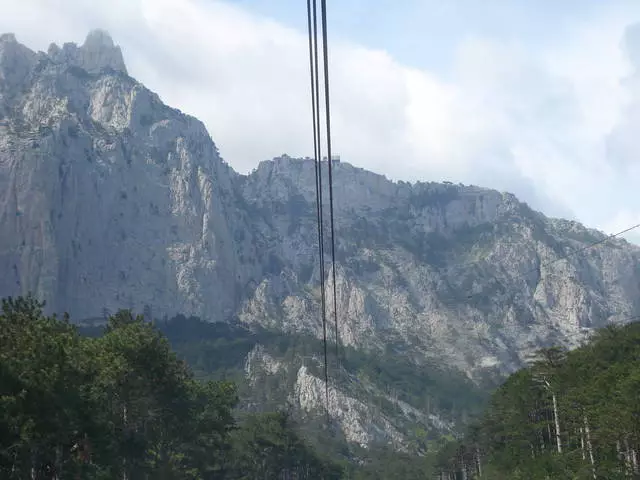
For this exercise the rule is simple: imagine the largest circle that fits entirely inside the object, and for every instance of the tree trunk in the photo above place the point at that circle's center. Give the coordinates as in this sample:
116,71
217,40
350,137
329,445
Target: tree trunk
618,450
621,455
533,452
479,462
589,446
627,457
557,422
58,463
13,465
33,465
124,456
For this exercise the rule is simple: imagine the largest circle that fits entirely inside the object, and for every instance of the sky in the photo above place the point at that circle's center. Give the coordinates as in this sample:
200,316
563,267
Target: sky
539,98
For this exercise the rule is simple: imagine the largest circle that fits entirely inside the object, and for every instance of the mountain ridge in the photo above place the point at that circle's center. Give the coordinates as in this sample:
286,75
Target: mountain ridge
110,199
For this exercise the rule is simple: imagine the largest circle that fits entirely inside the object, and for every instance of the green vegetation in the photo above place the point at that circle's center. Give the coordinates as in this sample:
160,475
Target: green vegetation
122,402
571,415
430,387
123,405
218,351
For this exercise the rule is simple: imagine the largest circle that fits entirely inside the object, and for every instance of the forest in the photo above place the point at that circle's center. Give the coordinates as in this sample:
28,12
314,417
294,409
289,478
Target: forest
126,402
123,405
569,415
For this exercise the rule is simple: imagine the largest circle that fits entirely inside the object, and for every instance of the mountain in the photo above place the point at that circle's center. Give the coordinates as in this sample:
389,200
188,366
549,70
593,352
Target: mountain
110,199
374,400
107,194
447,271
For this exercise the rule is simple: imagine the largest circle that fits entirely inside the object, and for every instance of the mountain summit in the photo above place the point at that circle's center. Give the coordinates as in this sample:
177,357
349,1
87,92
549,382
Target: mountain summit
97,53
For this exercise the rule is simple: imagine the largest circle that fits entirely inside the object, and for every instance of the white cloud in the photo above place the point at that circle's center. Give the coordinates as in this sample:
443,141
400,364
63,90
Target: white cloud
555,126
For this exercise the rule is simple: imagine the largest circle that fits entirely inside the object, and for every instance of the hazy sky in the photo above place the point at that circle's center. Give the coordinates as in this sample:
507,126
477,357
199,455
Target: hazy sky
540,98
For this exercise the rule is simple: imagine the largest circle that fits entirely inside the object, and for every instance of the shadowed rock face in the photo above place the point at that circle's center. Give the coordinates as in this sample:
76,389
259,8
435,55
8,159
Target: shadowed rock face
110,199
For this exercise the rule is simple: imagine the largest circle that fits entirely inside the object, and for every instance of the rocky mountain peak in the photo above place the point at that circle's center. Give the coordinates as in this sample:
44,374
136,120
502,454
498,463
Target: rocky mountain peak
8,38
16,62
98,52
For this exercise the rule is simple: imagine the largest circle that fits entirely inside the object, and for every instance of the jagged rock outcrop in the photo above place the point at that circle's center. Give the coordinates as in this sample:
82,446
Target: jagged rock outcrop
360,424
97,54
110,199
353,404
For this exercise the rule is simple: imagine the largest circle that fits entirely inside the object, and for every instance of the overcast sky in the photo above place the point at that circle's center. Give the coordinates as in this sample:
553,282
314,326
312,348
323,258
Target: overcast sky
540,98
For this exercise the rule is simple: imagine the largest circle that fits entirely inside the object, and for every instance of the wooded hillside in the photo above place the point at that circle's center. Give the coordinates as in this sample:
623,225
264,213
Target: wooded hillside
571,415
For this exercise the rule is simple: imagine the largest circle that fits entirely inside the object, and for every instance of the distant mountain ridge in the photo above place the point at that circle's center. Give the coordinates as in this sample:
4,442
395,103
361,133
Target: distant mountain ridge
110,199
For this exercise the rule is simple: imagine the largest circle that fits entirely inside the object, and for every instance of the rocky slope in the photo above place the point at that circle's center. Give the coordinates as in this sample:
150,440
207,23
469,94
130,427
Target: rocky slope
373,399
455,272
110,199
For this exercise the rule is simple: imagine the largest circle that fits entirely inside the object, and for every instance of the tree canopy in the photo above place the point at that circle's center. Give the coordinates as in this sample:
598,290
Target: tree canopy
123,405
570,415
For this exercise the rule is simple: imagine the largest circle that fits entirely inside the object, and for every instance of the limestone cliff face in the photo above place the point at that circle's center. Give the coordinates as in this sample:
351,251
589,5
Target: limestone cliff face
364,411
110,199
464,274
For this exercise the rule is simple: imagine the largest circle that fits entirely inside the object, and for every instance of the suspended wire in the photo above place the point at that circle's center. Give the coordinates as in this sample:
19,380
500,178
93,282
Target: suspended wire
563,257
473,263
585,334
325,50
586,247
312,24
623,320
316,140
